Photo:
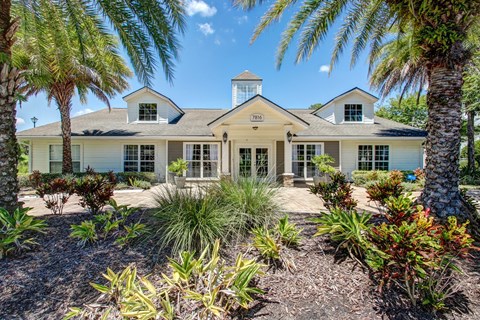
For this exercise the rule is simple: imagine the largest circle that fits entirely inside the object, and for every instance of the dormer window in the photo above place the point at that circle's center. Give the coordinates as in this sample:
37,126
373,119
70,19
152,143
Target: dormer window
353,113
147,112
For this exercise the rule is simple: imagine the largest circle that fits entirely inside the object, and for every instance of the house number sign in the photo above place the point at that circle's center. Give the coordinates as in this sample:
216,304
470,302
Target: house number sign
256,117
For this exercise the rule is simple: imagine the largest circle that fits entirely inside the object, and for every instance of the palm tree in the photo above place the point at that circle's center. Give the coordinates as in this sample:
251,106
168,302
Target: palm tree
57,66
147,29
439,29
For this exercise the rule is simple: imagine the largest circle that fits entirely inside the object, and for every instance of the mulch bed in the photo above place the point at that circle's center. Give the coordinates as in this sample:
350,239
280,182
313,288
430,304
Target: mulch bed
42,284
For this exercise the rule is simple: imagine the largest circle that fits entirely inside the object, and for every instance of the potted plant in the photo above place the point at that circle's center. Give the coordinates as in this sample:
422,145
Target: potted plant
324,169
178,167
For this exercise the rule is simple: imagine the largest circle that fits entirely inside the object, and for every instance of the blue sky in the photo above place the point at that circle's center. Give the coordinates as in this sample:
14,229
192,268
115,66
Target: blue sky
215,48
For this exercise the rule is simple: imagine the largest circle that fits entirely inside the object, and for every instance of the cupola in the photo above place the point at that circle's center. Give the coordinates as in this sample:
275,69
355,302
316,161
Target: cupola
245,86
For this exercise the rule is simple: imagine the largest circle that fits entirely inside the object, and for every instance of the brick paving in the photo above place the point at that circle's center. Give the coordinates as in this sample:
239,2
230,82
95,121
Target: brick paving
297,199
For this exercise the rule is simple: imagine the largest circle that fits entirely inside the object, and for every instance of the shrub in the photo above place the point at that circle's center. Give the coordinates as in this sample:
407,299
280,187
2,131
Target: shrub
95,191
35,178
84,232
188,221
144,176
266,243
55,194
140,184
323,163
419,174
336,193
17,229
195,288
178,167
252,199
396,175
111,223
348,228
411,248
382,190
288,233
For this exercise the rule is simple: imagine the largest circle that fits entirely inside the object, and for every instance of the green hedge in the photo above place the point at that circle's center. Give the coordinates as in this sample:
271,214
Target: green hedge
364,178
122,177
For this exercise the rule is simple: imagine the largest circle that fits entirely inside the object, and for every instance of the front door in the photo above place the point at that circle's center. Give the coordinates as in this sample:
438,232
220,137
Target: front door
253,161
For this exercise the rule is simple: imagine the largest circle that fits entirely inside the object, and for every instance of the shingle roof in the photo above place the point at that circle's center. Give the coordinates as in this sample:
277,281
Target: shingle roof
195,123
247,75
381,128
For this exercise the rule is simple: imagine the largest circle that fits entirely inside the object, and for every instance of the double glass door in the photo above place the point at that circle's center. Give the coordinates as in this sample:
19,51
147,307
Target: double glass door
253,162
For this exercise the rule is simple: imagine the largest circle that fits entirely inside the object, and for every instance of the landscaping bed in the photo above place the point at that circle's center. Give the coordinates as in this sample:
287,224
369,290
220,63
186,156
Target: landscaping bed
43,283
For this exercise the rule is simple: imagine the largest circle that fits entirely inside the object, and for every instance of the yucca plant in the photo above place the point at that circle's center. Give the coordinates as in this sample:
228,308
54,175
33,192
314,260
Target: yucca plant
185,220
85,232
349,228
16,230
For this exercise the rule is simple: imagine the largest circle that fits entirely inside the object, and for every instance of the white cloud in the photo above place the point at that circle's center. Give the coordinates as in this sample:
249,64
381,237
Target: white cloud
324,68
206,28
194,7
242,19
82,112
217,42
20,121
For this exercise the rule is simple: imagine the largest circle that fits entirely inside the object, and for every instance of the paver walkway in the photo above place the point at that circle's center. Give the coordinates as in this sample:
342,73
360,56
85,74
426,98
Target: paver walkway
290,199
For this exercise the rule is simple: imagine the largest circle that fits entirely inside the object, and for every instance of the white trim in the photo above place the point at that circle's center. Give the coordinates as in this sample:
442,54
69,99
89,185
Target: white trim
355,90
373,155
60,144
353,122
252,145
138,160
219,160
219,121
304,177
157,94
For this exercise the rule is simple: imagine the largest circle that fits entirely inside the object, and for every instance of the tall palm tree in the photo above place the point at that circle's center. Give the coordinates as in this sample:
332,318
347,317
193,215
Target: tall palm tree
439,29
148,30
57,64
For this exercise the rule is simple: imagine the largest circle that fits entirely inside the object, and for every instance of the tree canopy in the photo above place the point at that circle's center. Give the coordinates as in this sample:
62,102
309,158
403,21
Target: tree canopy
407,110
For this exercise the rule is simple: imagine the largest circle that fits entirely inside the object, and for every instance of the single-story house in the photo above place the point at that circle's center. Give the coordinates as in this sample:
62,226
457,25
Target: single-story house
256,137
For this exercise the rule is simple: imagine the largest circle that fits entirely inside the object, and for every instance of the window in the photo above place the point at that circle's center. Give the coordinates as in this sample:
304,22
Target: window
302,155
353,113
245,92
139,158
373,157
147,112
56,157
202,160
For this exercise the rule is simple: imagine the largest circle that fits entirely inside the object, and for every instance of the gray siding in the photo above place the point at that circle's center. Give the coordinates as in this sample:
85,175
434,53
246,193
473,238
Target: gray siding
175,150
333,148
280,157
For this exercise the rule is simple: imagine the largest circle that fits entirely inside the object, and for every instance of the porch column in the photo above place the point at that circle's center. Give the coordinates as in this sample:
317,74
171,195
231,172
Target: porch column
225,151
287,170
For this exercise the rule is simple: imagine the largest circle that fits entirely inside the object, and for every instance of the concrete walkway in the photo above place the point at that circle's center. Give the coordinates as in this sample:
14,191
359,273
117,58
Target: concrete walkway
290,199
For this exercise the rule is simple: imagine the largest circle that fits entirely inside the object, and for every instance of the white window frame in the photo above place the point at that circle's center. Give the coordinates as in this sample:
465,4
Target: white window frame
156,115
374,161
305,161
254,88
139,161
218,161
61,146
345,111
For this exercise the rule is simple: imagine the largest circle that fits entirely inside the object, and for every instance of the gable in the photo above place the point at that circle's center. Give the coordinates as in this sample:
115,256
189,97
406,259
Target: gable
334,110
259,111
167,110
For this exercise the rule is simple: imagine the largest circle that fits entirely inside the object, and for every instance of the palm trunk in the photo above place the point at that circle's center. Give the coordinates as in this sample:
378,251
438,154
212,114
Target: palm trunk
63,94
9,81
471,141
442,172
